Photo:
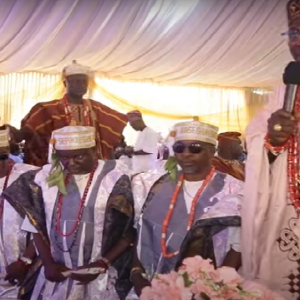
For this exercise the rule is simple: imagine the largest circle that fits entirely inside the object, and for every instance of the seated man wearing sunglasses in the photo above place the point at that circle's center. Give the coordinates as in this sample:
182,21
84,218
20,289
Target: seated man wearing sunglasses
15,259
168,204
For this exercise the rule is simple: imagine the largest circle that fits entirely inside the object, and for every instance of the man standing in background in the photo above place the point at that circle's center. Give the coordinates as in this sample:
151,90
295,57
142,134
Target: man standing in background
230,155
45,117
230,146
144,153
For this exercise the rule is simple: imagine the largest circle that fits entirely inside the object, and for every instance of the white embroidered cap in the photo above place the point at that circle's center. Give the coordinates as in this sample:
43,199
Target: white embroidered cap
4,138
195,130
74,138
75,69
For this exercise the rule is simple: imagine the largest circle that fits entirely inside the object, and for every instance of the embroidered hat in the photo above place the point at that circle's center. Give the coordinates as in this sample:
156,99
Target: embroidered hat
195,130
75,69
73,138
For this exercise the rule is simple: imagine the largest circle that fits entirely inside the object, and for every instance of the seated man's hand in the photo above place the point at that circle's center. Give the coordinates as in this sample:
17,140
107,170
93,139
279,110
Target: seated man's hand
139,282
16,272
129,150
87,278
53,272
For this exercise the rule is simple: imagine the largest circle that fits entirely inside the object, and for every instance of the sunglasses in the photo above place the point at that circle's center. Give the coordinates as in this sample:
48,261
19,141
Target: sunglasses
194,148
4,157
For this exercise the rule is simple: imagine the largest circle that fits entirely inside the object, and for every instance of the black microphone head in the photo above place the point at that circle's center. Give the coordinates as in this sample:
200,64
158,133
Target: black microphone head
291,73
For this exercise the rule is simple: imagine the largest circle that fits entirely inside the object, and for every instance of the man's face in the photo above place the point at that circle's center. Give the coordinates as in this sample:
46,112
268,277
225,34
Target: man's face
294,39
228,149
193,156
136,124
237,149
78,162
77,85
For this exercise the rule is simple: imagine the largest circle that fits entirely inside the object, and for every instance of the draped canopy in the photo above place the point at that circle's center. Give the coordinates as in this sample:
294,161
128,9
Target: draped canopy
211,42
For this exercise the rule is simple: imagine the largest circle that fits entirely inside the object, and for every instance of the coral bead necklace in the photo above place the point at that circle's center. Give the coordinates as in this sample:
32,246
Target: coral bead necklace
191,215
69,113
74,230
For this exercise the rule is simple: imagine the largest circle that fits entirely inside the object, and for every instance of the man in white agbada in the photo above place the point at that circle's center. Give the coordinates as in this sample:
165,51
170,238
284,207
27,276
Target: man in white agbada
270,222
80,212
14,259
145,151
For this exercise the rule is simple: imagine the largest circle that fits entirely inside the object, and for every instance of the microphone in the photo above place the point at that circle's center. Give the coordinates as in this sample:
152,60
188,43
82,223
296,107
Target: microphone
291,78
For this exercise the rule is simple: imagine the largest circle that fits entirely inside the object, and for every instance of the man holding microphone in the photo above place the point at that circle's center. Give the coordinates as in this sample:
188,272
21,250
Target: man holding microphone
271,210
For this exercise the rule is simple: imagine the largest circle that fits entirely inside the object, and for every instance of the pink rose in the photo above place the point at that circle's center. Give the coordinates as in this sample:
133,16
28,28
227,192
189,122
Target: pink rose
231,294
195,265
199,287
229,276
169,279
215,276
220,284
167,287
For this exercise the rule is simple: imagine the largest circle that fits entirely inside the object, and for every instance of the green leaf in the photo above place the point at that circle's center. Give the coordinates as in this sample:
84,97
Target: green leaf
187,281
54,156
173,174
56,176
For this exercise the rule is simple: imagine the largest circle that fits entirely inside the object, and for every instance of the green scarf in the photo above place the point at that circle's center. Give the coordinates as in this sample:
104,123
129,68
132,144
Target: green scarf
56,176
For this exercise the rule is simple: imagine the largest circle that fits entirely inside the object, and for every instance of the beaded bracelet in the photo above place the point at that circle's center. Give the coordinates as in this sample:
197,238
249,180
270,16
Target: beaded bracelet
275,150
104,262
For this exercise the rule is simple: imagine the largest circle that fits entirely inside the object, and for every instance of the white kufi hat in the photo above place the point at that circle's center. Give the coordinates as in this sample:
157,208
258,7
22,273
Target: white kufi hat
72,138
75,69
195,130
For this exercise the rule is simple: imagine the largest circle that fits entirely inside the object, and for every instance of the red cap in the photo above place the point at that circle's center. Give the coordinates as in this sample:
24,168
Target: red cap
134,115
233,136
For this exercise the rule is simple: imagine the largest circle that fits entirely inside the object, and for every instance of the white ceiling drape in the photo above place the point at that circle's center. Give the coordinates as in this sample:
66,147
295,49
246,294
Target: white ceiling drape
212,42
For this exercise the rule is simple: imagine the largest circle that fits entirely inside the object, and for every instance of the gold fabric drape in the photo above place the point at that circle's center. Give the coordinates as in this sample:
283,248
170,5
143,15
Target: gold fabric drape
20,91
256,100
161,105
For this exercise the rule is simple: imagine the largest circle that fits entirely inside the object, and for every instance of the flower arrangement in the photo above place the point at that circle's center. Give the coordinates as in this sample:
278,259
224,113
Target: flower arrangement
197,279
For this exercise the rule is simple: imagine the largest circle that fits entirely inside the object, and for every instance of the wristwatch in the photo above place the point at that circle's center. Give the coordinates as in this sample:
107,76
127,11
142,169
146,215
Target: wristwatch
27,261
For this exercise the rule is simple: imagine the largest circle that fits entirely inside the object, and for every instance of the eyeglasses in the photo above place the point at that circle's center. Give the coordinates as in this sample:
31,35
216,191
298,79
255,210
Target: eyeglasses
194,148
293,34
